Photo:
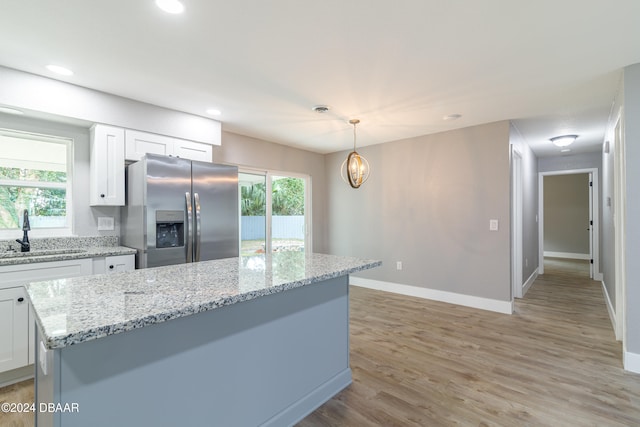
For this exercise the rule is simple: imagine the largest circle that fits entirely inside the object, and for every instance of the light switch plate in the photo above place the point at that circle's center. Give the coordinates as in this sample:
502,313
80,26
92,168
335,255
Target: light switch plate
106,223
493,224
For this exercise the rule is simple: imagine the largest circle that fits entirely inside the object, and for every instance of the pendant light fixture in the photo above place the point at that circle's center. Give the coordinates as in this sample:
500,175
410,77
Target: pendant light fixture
563,140
355,168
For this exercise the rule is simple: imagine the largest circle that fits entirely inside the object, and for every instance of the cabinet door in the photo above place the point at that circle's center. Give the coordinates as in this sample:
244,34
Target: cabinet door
137,144
14,337
106,177
193,150
113,264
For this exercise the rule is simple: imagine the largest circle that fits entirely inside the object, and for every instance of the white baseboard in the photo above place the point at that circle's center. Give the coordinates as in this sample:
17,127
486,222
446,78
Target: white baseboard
611,310
529,282
16,375
569,255
632,362
505,307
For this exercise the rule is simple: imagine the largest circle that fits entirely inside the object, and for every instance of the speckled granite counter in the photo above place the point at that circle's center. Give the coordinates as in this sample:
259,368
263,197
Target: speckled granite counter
62,249
251,341
76,310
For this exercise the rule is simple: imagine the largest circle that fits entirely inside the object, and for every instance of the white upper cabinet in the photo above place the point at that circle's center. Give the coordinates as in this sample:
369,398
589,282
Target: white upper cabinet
193,150
140,143
106,177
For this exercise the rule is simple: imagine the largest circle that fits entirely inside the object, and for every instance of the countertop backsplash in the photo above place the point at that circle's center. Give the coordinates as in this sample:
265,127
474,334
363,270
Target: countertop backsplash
50,243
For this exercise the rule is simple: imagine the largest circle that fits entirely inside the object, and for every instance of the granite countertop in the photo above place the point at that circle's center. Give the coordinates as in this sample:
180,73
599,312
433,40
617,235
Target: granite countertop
75,310
62,249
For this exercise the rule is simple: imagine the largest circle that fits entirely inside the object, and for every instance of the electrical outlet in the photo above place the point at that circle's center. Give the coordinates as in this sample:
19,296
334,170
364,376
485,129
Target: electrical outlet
493,224
399,265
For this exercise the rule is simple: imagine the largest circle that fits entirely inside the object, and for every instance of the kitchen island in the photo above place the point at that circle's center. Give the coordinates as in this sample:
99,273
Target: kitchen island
260,340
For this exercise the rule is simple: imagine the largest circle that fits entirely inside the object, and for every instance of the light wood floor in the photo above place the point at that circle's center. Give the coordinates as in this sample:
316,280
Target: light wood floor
555,362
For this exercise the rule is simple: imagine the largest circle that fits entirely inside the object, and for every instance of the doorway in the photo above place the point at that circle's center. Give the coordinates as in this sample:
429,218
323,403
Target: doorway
578,236
516,224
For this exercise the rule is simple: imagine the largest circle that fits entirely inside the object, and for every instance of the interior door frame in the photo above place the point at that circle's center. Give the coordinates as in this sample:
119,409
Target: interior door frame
516,223
620,218
594,208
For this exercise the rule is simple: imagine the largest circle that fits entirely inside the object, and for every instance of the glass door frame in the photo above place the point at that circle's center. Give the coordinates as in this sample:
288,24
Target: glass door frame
269,174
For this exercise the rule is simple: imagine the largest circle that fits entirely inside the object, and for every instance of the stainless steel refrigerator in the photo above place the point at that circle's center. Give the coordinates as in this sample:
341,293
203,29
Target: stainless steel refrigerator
180,211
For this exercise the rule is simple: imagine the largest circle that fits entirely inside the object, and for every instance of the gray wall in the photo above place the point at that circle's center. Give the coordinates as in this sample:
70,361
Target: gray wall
428,204
259,154
566,213
632,248
85,218
529,204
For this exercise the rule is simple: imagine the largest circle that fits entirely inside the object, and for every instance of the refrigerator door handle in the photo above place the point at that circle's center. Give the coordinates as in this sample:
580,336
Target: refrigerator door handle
196,199
189,230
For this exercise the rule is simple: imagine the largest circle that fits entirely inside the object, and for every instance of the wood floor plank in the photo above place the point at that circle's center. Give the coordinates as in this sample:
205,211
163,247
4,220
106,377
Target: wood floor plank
554,362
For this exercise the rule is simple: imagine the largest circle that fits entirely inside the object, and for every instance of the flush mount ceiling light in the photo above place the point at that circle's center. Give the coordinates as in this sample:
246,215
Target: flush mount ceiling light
214,112
355,168
170,6
59,70
563,140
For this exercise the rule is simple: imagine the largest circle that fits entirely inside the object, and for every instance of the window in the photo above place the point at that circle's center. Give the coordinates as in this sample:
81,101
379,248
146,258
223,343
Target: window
274,212
35,174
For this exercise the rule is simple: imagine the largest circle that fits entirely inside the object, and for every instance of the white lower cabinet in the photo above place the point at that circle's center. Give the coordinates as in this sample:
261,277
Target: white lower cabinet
17,320
14,339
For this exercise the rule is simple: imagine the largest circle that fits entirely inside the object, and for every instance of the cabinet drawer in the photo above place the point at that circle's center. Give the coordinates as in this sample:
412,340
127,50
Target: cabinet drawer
12,275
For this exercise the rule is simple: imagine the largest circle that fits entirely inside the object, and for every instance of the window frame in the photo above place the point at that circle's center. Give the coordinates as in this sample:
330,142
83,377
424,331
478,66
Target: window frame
67,230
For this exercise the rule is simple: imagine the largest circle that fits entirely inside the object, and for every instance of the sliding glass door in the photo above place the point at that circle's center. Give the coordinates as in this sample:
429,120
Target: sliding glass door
288,225
273,212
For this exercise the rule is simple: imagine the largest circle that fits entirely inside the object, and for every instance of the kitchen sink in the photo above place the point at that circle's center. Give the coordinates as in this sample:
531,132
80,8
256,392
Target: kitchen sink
43,252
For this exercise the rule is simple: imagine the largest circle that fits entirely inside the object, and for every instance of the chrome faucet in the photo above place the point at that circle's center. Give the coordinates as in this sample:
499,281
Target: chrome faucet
24,243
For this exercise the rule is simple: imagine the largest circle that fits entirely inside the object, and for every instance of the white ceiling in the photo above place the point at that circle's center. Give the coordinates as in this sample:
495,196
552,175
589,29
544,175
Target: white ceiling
551,66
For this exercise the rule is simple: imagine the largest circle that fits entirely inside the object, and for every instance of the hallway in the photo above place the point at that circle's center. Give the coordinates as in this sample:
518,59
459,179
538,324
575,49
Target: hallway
554,362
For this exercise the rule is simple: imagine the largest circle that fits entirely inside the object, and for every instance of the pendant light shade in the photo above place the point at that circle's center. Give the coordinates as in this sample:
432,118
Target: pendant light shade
355,168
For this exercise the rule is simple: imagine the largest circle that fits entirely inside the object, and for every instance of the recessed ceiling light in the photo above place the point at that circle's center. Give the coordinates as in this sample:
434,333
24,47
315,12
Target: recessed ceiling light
170,6
9,110
59,70
452,117
214,112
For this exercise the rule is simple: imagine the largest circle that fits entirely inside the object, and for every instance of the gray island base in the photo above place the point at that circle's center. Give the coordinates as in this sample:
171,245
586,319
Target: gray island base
236,342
